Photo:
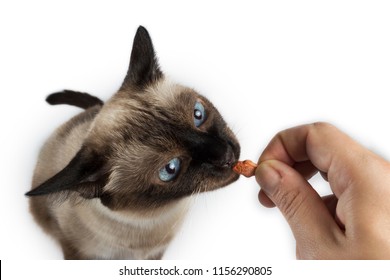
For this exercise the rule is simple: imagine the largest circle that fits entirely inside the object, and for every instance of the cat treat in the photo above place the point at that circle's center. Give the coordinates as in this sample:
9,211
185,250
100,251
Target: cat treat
246,168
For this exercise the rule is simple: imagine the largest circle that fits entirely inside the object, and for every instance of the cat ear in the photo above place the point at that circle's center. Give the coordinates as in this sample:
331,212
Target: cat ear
83,174
143,68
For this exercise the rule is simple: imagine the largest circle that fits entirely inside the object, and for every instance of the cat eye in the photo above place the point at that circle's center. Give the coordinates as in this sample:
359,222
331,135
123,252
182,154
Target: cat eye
199,114
170,171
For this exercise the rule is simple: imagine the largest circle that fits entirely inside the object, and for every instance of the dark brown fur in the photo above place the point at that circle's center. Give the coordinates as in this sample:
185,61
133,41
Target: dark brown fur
96,187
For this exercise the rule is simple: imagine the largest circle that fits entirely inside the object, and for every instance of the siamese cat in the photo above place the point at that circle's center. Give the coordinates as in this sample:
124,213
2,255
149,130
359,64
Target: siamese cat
114,181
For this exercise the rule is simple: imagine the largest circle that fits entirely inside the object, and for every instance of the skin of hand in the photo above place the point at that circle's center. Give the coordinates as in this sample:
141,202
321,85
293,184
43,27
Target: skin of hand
354,222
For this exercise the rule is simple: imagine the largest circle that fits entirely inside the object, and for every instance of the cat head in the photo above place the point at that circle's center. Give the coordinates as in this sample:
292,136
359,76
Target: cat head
152,143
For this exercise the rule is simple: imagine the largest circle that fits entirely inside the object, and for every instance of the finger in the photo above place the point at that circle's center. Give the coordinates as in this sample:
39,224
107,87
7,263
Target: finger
265,200
320,143
300,204
306,169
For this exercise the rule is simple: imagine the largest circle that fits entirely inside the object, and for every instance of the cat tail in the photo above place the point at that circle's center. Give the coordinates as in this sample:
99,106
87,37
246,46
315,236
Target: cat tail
75,98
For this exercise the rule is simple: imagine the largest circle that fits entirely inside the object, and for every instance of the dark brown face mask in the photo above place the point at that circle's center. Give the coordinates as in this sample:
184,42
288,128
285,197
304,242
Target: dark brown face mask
152,143
112,182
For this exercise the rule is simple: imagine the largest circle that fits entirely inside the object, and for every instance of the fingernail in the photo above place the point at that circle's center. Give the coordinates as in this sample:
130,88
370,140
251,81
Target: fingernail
267,177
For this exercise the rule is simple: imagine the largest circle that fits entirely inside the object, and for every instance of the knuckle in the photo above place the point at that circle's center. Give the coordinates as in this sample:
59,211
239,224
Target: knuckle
322,126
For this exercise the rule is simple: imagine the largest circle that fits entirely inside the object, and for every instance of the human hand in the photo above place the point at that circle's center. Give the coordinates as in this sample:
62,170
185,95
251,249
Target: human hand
354,222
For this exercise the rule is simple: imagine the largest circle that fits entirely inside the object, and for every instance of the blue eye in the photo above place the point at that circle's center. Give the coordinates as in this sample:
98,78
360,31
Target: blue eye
199,114
170,171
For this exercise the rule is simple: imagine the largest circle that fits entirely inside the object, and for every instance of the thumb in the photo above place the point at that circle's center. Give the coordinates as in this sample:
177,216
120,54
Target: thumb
304,210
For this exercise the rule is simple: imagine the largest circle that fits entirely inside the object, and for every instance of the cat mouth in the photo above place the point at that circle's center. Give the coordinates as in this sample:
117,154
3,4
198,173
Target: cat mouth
221,177
223,171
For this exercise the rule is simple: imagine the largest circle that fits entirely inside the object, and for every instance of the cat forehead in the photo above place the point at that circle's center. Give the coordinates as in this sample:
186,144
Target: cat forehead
162,94
165,92
155,111
169,95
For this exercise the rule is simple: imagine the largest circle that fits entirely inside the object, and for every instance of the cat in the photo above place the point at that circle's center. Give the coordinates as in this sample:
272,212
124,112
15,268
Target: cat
114,182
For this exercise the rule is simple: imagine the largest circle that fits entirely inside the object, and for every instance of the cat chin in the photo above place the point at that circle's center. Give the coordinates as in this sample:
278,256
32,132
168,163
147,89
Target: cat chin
219,182
232,178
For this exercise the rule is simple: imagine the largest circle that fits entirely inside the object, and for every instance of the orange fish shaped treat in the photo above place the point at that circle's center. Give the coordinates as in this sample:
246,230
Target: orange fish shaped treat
246,168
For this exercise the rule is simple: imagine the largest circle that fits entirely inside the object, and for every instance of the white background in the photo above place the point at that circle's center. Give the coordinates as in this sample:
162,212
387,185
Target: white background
266,65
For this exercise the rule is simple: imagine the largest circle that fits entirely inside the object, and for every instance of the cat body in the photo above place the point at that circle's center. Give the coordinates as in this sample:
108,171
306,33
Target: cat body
115,181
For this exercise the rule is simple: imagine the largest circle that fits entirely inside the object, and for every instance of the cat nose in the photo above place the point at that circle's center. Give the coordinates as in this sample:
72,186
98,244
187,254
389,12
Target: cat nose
215,151
230,158
227,160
